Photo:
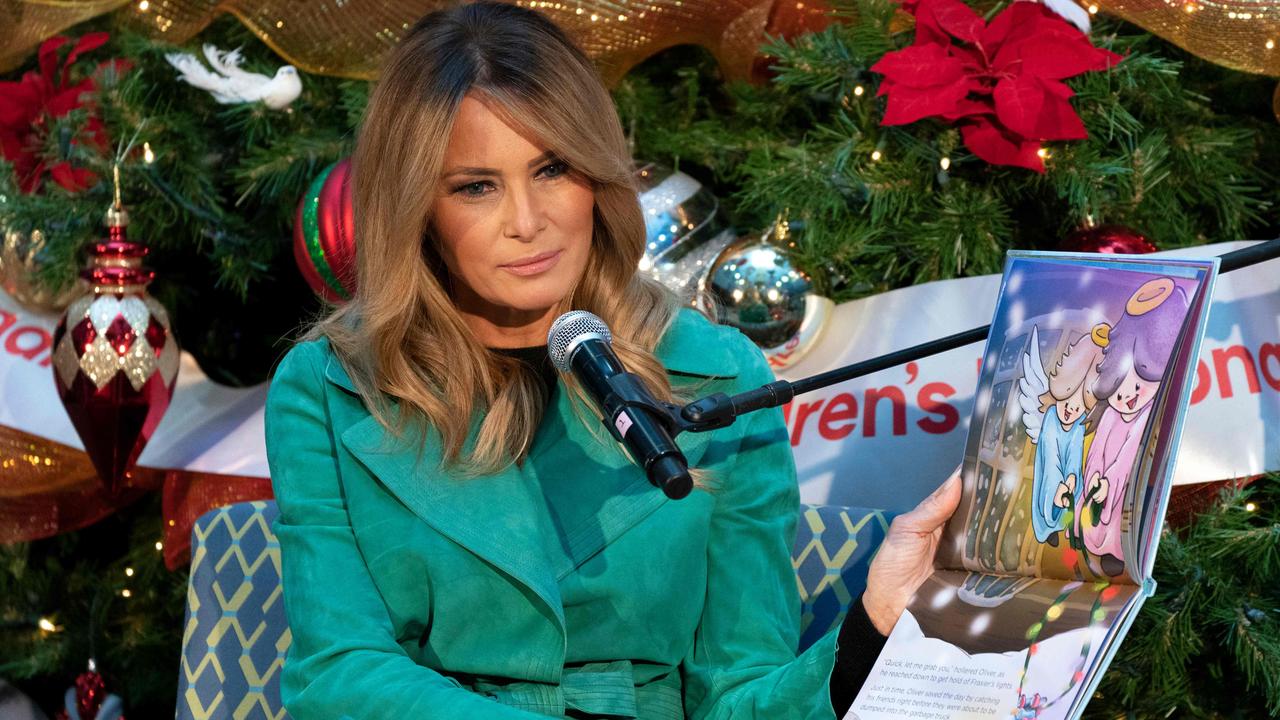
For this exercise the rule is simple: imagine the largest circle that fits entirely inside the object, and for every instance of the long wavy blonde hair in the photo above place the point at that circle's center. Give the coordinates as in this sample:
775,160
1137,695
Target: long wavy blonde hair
400,337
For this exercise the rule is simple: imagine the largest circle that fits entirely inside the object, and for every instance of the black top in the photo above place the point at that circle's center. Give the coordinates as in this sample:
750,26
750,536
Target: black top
858,643
857,647
535,357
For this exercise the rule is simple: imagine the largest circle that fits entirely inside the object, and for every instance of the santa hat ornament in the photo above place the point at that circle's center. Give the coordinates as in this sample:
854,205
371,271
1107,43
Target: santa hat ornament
115,361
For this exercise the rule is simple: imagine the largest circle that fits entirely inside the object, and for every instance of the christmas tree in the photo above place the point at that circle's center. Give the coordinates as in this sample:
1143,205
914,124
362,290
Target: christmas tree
1176,149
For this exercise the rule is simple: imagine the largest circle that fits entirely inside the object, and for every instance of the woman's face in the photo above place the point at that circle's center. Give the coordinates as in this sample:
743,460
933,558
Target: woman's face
514,224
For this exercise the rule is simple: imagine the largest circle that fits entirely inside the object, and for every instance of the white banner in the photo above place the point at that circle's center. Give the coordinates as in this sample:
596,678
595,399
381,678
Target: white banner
880,441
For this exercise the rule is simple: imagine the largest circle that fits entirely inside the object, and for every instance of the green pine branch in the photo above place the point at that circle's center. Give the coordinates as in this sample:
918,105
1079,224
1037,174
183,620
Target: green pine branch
1207,644
1160,157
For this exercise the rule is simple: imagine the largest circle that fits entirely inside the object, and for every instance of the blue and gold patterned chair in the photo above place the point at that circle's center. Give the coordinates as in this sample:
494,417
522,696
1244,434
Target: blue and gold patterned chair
833,548
236,633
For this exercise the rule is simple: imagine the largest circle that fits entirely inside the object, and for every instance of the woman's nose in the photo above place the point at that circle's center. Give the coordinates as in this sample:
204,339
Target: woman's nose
524,216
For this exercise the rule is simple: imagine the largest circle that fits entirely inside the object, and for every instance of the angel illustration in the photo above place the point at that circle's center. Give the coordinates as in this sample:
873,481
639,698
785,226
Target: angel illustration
1138,350
1054,406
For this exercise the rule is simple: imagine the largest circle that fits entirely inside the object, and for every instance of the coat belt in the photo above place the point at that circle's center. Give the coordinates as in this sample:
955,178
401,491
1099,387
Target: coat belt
592,689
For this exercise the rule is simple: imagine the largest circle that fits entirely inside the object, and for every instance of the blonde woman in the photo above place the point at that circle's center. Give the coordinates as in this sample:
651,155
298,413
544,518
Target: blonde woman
458,537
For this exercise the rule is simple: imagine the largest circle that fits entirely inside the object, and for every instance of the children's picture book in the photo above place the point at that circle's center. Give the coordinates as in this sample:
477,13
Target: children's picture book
1081,396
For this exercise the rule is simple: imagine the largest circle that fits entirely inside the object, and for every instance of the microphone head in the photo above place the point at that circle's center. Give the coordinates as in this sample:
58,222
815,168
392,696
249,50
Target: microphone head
568,331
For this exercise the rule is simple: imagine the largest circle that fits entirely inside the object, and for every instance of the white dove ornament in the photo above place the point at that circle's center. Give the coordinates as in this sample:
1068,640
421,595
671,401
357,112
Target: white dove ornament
231,85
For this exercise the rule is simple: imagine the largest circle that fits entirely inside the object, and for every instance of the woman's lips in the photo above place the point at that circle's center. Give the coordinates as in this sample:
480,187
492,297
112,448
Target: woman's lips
534,265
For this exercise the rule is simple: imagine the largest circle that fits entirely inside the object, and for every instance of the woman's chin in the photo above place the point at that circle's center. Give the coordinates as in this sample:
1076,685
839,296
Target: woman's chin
532,303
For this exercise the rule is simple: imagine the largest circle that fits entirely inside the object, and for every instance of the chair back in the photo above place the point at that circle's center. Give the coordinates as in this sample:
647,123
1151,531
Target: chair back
236,634
832,552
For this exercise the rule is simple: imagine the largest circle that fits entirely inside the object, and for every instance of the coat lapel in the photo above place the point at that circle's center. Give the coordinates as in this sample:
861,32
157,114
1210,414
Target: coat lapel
693,350
497,517
494,517
567,447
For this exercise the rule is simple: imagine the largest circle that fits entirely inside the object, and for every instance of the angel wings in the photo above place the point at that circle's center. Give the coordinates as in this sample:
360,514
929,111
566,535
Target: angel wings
1033,384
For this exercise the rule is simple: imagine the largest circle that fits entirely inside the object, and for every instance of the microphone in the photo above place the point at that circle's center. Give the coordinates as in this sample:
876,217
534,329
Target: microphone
579,343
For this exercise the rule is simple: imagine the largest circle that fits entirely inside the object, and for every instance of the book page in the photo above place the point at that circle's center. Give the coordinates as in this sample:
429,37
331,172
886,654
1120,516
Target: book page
1077,361
977,647
1160,461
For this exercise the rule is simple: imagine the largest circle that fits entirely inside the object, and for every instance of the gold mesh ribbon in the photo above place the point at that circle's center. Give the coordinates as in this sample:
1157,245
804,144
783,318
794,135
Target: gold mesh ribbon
188,495
1240,34
349,37
25,24
47,488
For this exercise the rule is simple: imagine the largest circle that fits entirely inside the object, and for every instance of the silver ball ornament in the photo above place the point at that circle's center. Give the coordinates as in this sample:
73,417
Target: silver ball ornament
761,292
684,229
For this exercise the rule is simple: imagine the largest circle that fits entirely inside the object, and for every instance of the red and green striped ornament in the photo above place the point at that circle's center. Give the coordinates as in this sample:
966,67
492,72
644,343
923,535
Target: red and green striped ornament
323,234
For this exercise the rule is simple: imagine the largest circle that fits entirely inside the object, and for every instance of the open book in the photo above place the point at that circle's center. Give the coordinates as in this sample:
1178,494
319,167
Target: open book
1084,385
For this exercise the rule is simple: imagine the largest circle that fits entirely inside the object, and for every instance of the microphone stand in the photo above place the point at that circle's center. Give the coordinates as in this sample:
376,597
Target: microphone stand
720,410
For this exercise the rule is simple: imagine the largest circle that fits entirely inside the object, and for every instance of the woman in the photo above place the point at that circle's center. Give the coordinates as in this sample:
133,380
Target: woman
459,539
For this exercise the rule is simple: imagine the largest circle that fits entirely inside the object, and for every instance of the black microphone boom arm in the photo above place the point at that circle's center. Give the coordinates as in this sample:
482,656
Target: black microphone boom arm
720,410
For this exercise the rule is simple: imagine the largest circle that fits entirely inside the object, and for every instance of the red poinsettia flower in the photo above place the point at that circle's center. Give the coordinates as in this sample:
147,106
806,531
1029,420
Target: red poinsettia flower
1001,82
27,104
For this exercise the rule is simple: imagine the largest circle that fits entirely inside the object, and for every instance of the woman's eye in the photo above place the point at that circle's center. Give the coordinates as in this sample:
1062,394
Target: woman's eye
475,189
555,169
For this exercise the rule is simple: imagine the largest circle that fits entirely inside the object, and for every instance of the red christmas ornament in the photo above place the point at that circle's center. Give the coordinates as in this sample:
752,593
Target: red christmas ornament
1116,239
115,361
90,699
1000,81
324,234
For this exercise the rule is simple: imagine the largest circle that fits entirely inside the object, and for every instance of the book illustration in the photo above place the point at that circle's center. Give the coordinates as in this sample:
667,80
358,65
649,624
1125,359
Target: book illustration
1054,406
1081,395
1062,385
1138,349
974,645
1103,593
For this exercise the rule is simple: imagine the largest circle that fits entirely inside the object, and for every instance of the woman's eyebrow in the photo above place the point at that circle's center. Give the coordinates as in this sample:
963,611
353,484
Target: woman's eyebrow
490,171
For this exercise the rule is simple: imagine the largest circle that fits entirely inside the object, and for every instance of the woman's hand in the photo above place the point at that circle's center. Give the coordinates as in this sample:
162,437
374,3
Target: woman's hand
905,558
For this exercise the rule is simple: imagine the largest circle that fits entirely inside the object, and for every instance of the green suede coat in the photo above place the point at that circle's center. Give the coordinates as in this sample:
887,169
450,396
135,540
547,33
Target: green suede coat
569,587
